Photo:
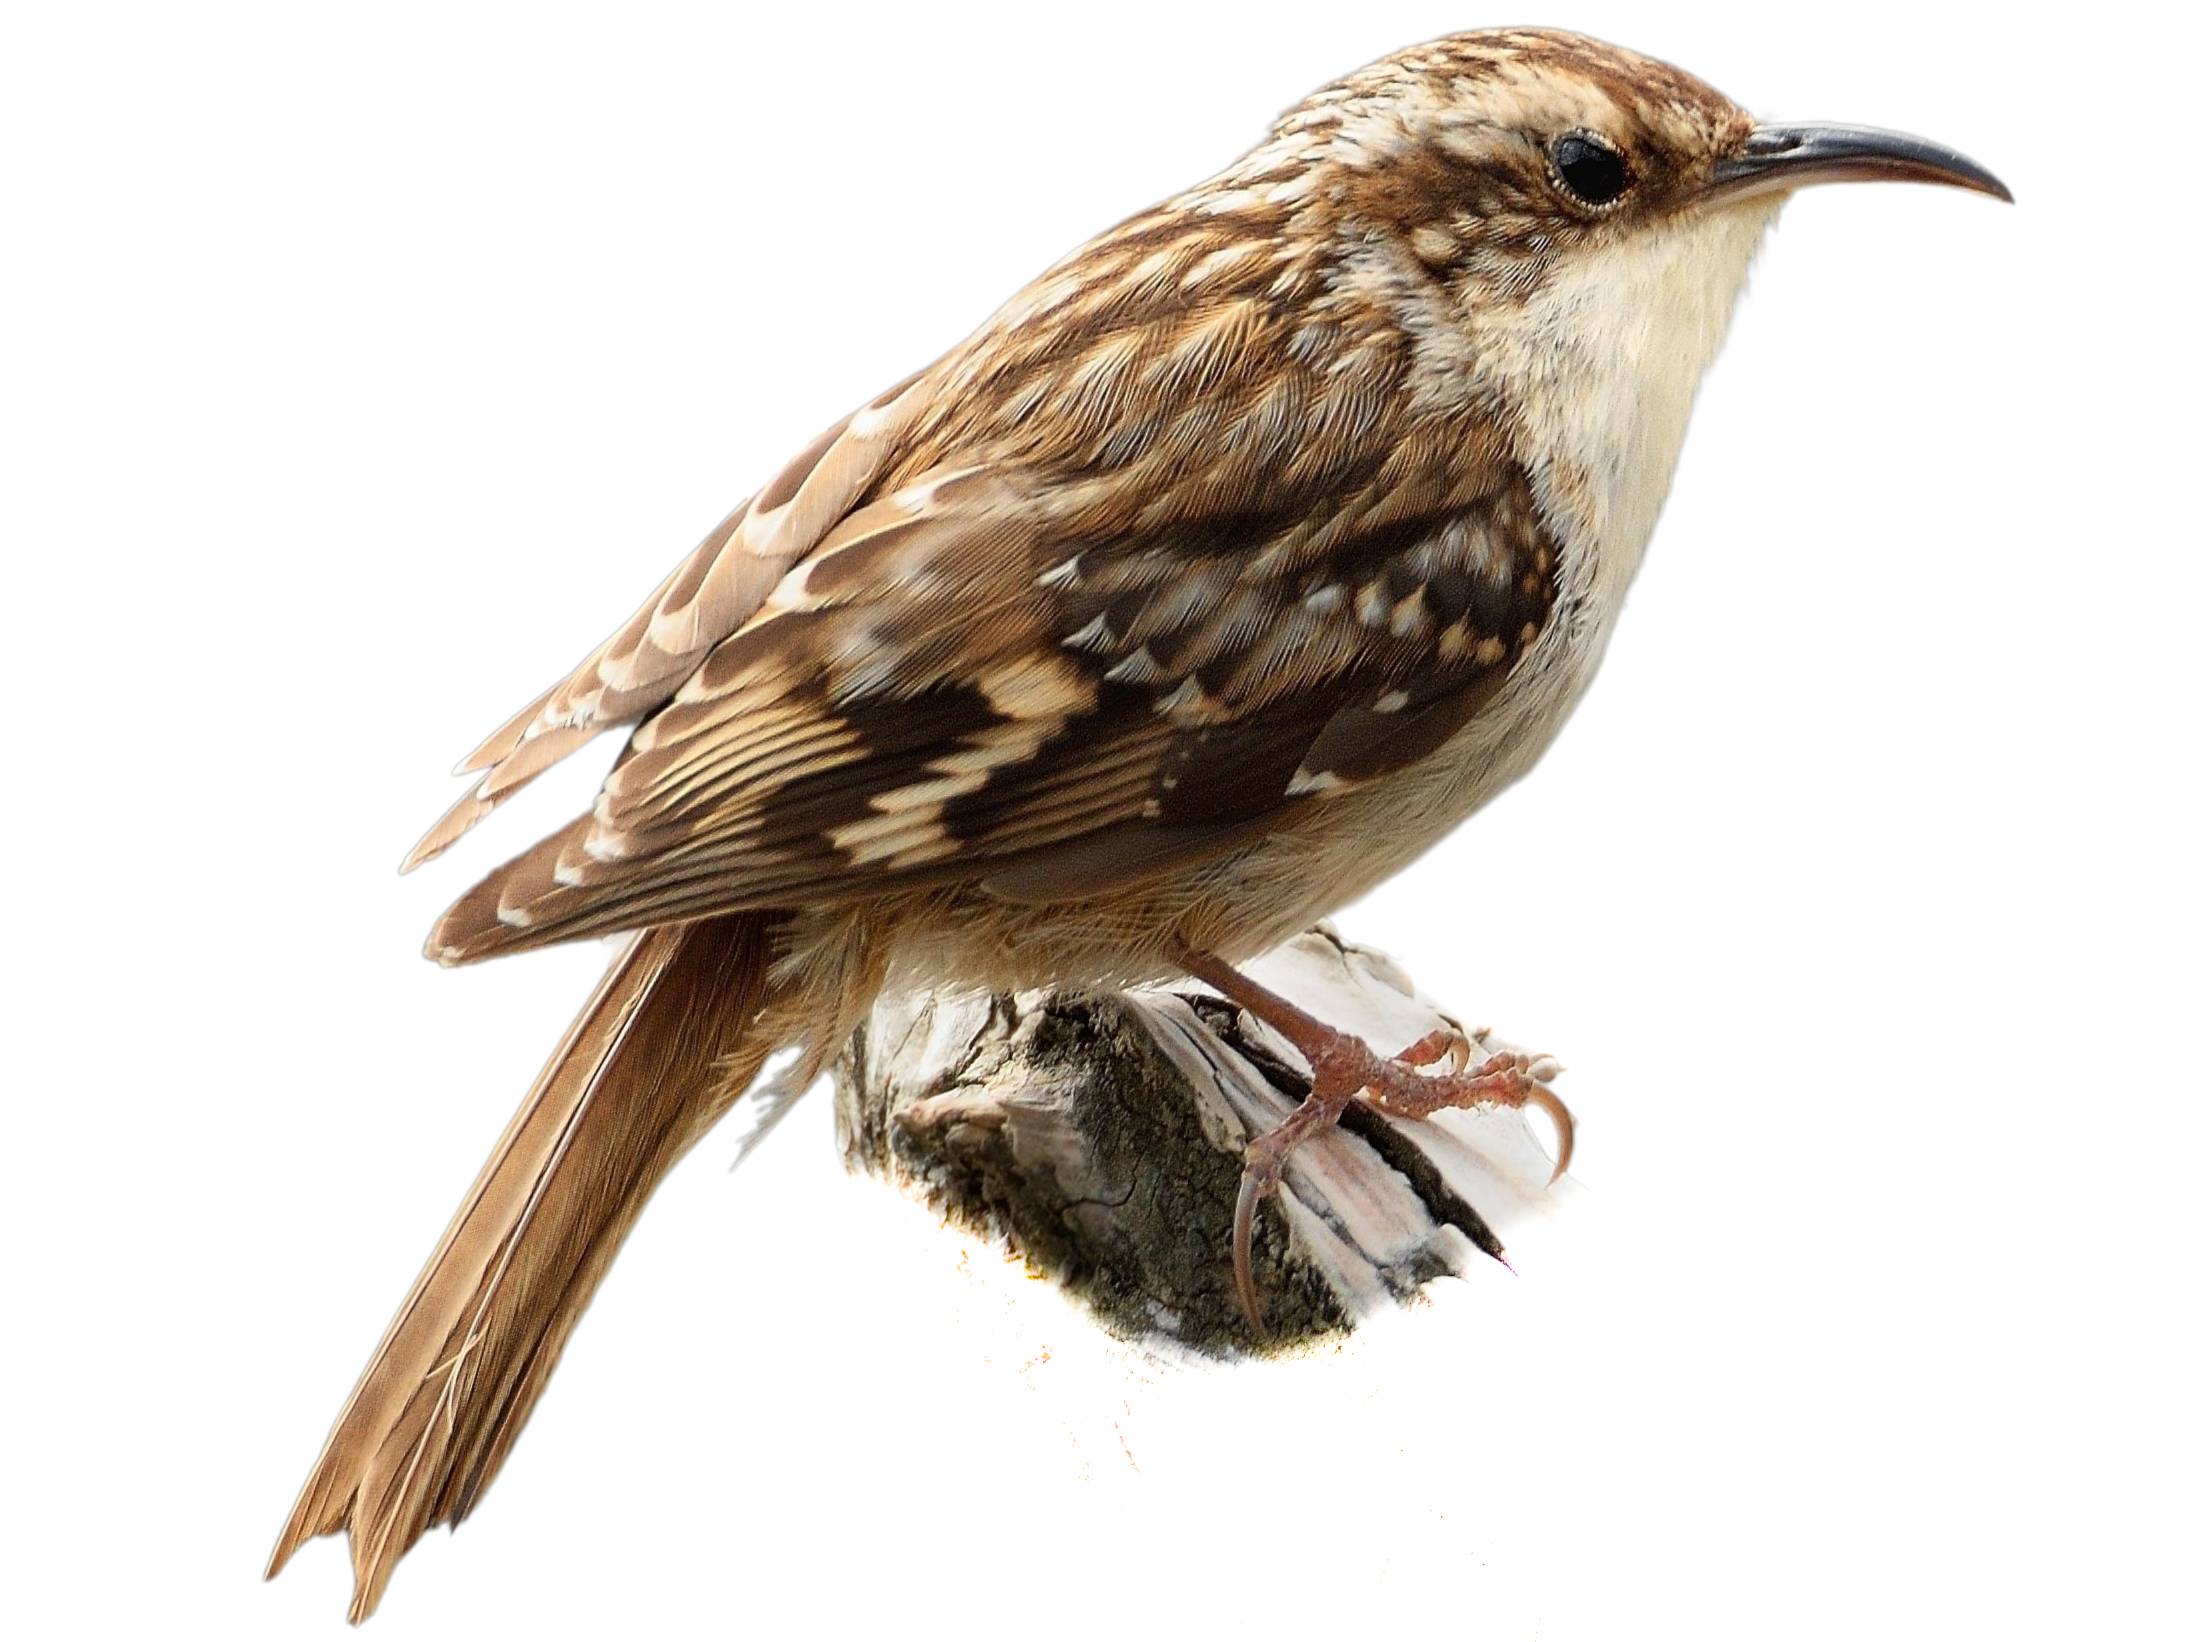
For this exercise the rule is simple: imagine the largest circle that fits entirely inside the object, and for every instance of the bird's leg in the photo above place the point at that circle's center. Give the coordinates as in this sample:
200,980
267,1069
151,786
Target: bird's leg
1344,1069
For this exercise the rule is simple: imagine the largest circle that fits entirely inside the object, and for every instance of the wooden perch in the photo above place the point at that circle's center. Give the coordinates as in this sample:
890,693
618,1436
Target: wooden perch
1100,1138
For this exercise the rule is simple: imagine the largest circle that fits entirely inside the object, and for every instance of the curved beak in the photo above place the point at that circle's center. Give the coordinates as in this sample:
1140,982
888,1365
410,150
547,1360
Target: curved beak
1777,158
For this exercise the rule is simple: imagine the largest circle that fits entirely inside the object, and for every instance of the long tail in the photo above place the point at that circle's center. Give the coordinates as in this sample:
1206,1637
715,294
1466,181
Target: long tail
671,1039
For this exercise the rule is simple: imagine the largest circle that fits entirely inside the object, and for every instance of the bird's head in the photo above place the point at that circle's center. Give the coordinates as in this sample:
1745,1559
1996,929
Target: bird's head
1561,228
1495,152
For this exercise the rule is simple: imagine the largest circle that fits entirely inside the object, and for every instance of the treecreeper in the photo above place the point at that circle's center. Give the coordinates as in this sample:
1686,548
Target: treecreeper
1234,562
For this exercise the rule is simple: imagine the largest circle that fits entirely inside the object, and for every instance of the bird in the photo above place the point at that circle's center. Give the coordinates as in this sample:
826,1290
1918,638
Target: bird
1229,566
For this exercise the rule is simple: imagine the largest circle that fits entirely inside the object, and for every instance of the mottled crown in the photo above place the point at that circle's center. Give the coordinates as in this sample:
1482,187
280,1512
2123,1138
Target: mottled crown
1464,127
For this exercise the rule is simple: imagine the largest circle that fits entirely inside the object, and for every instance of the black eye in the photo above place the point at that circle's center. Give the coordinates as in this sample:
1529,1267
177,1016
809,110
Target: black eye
1594,171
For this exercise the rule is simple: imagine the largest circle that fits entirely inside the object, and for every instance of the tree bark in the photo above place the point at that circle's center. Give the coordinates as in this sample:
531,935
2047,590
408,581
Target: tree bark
1099,1137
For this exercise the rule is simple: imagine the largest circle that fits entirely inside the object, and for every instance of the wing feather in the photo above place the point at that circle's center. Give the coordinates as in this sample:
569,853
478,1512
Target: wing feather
717,588
1163,553
1038,732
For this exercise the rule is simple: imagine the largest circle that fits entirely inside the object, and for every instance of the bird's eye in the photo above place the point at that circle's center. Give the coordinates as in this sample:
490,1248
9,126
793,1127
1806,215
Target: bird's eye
1590,169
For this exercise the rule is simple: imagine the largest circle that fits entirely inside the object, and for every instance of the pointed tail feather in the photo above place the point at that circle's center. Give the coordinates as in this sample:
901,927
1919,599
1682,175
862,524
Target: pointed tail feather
667,1043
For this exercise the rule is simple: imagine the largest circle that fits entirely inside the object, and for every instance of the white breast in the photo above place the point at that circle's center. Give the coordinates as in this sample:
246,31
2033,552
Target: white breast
1599,369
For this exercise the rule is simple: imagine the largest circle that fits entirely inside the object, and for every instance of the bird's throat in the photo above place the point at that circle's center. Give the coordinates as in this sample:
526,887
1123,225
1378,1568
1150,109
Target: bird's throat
1600,366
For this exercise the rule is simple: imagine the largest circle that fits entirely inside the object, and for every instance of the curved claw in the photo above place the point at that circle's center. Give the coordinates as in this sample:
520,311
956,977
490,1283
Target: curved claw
1561,1120
1429,1049
1253,1186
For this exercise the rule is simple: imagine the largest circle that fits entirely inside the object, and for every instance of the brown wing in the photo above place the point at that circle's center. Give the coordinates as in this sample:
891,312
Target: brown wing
981,679
1185,536
715,589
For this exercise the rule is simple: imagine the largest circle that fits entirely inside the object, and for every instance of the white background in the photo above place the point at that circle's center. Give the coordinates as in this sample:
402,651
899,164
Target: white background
360,366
